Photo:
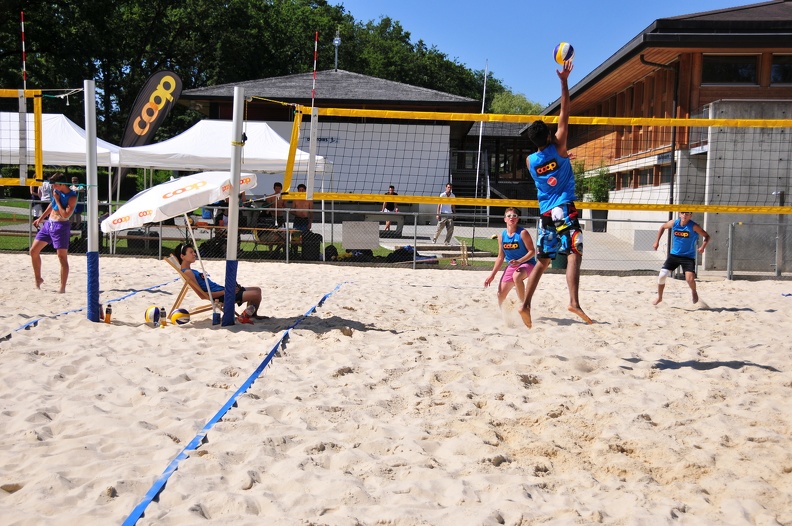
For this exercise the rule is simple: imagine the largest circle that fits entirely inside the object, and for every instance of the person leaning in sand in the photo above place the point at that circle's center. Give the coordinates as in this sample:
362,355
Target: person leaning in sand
186,256
684,237
445,216
56,230
517,248
559,230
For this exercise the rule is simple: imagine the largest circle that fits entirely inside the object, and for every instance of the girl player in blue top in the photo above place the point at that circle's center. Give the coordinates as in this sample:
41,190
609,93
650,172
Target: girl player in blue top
517,248
684,236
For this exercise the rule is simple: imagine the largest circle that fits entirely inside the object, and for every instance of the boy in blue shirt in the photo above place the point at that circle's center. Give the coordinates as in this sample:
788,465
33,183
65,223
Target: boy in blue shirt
684,237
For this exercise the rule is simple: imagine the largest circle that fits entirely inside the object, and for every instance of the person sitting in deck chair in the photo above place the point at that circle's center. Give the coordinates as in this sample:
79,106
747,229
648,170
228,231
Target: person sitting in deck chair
186,255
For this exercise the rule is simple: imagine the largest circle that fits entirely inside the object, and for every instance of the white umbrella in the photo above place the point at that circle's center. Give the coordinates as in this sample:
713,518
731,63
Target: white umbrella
176,197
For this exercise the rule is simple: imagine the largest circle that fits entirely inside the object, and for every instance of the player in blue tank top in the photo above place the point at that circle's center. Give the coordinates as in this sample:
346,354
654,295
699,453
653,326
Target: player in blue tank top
684,237
559,230
56,230
517,248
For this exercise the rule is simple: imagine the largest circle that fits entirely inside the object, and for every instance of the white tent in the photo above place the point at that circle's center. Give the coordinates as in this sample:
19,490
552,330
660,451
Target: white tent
62,142
207,146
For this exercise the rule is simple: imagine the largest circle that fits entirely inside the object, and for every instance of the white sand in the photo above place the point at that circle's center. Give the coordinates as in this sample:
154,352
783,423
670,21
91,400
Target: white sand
406,399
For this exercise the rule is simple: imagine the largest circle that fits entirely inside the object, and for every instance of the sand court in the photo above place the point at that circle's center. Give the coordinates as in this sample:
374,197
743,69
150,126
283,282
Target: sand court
406,398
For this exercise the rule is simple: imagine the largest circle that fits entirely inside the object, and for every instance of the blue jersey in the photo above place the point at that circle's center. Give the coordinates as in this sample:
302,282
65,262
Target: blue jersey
202,282
555,181
60,201
514,246
684,239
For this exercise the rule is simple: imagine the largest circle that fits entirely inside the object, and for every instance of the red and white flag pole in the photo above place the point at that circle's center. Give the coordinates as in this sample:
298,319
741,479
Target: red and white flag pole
24,58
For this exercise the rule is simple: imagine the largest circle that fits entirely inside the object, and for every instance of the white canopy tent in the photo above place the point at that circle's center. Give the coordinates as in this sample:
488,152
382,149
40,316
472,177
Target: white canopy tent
62,142
206,146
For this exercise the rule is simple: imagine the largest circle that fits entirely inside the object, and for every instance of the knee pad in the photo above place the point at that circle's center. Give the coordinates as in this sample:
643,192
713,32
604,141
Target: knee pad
664,273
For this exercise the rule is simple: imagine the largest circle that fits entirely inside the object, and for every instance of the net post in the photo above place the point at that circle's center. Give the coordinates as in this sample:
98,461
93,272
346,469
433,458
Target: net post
294,139
309,183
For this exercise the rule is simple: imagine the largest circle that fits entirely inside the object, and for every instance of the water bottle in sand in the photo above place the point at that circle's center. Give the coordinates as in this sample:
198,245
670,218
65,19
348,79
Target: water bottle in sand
108,314
163,317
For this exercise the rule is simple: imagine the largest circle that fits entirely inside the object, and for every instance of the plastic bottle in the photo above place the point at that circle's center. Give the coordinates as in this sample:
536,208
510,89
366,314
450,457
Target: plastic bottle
108,314
163,317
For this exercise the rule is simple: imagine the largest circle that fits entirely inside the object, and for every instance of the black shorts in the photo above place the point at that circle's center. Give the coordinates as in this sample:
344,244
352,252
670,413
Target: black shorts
238,297
687,264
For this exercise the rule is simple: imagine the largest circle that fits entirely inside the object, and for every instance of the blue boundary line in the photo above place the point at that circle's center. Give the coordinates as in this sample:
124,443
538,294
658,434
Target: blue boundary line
34,322
159,484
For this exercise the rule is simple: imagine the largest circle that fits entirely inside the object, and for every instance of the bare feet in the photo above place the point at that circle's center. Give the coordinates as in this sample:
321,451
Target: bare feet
695,297
579,312
525,314
39,281
657,300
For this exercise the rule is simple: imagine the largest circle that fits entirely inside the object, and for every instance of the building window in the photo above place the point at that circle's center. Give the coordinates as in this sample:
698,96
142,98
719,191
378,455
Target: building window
645,177
624,180
666,173
781,72
729,69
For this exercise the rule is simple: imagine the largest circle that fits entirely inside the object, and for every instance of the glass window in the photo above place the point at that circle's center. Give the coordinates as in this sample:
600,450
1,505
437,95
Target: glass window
729,69
665,174
781,72
645,177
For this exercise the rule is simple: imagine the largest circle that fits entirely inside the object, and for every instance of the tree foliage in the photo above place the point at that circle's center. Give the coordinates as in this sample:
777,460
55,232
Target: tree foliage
120,43
514,103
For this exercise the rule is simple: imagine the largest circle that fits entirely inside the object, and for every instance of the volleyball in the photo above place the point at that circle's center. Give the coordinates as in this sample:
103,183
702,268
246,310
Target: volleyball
180,317
153,315
563,52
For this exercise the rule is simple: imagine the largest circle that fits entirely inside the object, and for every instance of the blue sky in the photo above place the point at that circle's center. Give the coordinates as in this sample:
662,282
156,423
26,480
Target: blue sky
497,32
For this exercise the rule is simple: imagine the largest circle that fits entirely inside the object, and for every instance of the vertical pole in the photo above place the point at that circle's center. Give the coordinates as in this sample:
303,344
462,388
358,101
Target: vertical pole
24,57
233,208
478,155
779,259
92,205
729,251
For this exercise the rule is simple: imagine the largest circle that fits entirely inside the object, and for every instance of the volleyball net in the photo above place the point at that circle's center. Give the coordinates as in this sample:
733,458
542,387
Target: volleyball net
21,160
721,165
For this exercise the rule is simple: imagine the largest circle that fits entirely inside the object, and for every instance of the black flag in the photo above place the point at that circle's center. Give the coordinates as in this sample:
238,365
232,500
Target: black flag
151,107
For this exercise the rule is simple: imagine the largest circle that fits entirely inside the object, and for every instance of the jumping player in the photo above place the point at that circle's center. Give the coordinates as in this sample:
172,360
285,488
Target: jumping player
684,237
559,230
517,248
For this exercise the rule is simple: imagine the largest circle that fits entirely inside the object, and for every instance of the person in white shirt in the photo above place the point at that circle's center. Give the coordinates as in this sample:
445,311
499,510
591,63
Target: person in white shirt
445,216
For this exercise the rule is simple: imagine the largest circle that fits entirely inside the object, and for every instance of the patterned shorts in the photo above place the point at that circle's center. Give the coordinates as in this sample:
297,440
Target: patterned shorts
559,232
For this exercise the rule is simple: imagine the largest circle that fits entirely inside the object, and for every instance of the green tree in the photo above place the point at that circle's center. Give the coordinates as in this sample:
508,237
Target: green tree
120,43
514,103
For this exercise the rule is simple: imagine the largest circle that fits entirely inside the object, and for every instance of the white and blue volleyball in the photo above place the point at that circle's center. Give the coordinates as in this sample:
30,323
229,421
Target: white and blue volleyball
153,315
563,52
180,317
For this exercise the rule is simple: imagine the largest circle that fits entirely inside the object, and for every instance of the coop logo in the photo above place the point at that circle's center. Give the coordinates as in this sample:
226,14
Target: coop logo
244,180
511,246
188,188
145,213
547,167
119,220
681,233
161,96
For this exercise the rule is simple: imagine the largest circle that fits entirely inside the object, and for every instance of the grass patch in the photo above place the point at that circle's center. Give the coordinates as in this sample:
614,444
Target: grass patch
482,245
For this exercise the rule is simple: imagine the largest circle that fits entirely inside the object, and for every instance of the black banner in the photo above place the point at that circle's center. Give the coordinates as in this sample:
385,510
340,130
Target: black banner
152,105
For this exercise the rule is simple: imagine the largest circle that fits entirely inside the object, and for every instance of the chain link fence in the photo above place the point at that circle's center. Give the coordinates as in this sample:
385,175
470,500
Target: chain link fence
353,235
